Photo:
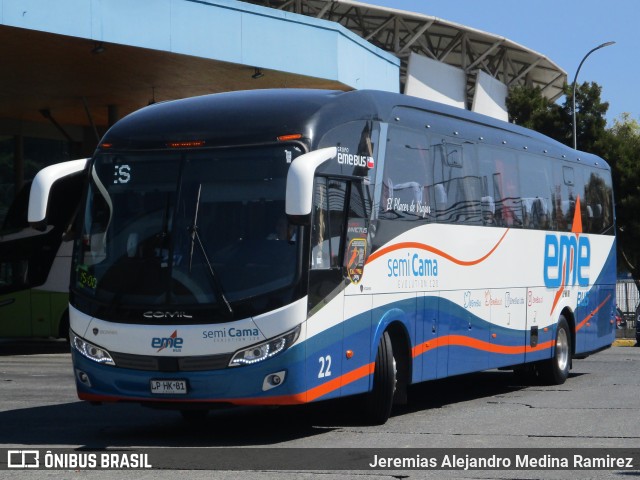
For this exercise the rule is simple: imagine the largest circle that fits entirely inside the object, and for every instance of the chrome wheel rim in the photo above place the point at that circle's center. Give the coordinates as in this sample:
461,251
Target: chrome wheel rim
562,349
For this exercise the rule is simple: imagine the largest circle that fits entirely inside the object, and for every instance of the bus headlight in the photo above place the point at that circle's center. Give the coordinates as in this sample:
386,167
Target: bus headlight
262,351
91,351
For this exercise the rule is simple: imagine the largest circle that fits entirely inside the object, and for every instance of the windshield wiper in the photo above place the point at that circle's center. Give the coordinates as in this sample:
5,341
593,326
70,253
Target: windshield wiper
196,236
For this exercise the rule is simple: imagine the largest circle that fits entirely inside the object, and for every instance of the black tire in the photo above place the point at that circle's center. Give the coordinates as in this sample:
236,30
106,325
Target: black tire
379,400
556,370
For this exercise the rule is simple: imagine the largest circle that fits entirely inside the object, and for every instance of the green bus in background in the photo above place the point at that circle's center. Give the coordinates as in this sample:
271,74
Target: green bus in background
35,259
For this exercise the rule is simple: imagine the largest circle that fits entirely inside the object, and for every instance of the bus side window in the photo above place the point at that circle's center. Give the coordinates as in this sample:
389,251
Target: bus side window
502,201
327,231
509,207
564,197
535,188
597,196
457,185
406,194
13,275
25,262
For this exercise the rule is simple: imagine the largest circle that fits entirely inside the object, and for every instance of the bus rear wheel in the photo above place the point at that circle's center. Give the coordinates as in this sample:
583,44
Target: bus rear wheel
556,370
380,400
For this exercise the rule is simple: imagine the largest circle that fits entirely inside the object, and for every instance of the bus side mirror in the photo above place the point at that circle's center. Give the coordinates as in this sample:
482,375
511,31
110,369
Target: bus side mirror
41,188
299,195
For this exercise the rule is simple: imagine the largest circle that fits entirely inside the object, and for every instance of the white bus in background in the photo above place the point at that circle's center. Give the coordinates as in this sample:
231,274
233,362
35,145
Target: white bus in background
35,259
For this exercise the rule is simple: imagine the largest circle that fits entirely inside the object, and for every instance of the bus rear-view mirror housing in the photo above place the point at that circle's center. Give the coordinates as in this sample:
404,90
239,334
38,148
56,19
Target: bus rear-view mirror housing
299,194
41,187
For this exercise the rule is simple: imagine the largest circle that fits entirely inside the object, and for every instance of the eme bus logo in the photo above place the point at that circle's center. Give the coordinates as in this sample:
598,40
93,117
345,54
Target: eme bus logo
567,259
173,341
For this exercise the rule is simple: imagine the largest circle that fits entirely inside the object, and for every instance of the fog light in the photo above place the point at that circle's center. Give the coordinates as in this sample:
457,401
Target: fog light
83,378
273,380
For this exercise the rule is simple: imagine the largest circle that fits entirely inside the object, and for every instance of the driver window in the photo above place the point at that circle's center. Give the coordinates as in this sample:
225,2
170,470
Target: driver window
328,223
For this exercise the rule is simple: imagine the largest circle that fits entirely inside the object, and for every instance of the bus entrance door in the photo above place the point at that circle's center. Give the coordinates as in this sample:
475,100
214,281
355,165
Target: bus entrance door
340,312
326,287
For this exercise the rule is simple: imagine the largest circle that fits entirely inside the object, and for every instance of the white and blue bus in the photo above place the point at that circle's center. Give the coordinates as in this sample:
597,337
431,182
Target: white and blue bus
281,247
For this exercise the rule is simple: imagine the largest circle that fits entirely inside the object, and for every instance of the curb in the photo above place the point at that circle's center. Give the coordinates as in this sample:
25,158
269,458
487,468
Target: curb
624,342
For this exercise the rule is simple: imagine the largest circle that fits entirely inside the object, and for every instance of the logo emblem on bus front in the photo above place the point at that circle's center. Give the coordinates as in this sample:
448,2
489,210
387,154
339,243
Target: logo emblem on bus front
171,342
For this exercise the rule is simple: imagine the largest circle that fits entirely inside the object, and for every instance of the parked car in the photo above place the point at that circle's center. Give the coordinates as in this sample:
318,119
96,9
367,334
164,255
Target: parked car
638,326
620,320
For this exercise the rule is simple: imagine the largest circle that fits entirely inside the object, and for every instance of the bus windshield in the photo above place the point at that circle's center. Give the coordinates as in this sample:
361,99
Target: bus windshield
167,228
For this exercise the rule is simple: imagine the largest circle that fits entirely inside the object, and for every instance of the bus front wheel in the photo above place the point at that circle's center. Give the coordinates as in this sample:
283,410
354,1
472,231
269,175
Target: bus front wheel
380,399
556,370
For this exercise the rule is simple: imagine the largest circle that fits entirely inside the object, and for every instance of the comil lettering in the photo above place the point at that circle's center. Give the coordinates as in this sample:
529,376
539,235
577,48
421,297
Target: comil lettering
567,259
159,314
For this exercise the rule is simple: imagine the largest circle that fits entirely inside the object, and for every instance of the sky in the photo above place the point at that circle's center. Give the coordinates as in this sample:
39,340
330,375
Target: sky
563,31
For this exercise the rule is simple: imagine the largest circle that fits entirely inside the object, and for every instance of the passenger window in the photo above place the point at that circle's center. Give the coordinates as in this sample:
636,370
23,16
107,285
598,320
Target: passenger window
501,199
13,275
563,198
456,184
25,262
535,188
406,192
598,203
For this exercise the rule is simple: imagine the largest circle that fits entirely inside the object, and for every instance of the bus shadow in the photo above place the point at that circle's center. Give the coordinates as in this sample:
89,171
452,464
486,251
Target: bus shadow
120,425
449,391
20,346
464,388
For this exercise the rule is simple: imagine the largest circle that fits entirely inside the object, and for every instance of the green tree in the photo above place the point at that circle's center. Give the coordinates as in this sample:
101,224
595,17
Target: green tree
619,145
591,123
622,146
528,107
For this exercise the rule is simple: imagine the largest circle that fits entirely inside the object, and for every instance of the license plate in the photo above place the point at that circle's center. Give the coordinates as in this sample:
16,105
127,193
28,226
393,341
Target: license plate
169,387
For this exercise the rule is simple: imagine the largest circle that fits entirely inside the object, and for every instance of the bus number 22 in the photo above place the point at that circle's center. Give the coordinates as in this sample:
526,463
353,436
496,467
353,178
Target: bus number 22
325,366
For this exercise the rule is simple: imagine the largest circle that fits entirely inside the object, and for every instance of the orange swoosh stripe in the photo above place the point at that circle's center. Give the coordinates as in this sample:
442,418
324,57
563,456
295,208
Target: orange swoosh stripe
560,290
429,248
463,341
312,394
590,316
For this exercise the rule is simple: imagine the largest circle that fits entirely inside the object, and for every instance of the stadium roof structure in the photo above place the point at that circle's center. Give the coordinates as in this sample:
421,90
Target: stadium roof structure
71,68
402,32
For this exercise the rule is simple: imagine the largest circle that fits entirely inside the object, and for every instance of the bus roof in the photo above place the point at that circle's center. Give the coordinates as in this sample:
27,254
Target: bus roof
260,116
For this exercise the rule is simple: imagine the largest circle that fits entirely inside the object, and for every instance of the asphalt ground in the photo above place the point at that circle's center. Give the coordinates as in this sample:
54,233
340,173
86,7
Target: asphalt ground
596,409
